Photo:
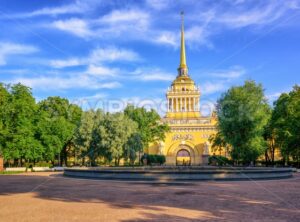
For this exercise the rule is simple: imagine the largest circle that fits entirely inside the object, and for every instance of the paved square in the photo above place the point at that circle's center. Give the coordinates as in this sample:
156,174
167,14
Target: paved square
51,197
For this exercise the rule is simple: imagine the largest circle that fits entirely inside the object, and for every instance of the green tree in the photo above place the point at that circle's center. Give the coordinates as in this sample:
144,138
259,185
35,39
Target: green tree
286,124
115,131
104,135
150,127
4,103
133,145
243,112
21,142
218,143
87,139
57,123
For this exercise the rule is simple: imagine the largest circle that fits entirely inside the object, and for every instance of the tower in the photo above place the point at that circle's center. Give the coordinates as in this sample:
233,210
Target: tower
183,95
187,141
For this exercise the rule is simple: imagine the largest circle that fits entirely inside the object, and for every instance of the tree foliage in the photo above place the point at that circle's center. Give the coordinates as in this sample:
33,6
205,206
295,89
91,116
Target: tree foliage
243,113
57,123
133,145
31,131
150,127
20,125
285,123
218,143
104,135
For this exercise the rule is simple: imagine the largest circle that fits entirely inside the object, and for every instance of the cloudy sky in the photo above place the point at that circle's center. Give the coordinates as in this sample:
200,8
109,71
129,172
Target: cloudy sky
129,50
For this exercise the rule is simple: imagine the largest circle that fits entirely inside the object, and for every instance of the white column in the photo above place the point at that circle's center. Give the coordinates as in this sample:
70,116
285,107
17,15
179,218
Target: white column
177,104
173,103
185,108
174,107
168,104
181,103
194,104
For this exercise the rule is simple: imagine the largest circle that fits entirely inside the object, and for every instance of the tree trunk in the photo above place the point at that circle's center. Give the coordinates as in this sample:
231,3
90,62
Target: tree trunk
93,161
273,159
59,163
1,164
266,158
75,157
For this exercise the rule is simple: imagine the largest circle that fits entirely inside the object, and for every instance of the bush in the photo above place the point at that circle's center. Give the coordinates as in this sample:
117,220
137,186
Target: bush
161,159
153,159
219,160
43,164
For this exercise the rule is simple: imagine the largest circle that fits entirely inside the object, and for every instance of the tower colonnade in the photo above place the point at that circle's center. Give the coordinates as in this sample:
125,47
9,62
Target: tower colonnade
183,104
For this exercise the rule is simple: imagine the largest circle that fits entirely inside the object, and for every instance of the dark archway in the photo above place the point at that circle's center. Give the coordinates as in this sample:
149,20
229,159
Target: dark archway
183,158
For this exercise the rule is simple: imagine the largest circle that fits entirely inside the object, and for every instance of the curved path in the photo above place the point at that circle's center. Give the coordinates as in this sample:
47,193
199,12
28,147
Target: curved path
52,197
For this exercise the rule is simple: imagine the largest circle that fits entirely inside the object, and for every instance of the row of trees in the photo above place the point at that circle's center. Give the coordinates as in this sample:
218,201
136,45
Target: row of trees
116,136
249,127
54,129
30,131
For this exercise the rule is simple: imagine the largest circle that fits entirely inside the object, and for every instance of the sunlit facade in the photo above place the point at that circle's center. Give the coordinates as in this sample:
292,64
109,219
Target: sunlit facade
187,142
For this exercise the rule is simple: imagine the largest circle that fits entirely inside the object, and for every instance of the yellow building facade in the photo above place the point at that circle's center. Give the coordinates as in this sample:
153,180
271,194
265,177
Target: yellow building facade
187,142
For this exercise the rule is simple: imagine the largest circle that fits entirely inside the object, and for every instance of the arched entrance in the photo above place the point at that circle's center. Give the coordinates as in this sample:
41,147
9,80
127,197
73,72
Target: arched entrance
183,158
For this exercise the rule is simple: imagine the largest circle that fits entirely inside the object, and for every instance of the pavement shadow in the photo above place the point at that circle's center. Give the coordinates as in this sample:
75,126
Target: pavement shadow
186,201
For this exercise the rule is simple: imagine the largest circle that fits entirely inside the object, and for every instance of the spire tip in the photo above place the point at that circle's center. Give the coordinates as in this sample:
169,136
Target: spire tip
182,67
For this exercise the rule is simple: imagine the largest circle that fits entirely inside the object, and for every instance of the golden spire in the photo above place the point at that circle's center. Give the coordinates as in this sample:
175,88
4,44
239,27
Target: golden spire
182,67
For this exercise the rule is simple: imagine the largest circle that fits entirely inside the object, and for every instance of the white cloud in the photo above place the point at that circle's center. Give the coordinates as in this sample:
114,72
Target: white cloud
213,87
262,14
132,16
153,74
8,49
223,79
65,63
159,4
102,71
74,26
61,83
198,35
14,71
274,96
168,38
113,54
232,73
96,58
77,7
95,96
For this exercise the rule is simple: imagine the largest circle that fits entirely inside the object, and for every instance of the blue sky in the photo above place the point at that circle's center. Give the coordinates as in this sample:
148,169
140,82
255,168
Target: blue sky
87,50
